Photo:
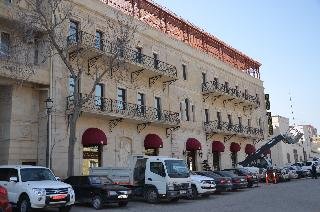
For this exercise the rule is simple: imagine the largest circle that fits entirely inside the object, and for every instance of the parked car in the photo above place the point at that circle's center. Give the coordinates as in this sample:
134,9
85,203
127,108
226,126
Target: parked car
238,182
35,187
298,171
222,183
308,166
284,174
251,178
299,166
292,173
201,185
4,202
98,191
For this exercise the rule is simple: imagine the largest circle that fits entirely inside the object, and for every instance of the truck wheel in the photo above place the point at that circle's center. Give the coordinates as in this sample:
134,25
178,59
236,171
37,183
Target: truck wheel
24,204
151,195
194,193
96,202
123,204
65,209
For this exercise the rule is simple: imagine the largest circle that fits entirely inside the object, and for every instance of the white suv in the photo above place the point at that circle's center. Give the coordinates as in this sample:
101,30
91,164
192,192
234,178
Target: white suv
35,187
202,185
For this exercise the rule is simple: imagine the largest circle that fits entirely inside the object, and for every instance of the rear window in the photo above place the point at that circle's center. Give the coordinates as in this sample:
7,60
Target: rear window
97,180
228,174
309,163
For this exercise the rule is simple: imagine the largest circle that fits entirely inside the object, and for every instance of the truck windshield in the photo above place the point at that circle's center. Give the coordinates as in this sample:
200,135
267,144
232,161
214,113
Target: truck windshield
177,169
36,174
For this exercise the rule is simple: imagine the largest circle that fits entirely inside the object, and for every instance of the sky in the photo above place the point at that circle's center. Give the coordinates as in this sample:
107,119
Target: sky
284,36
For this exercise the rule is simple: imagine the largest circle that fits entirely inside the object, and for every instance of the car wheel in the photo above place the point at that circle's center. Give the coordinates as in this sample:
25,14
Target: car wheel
123,204
96,202
151,195
65,209
194,193
24,204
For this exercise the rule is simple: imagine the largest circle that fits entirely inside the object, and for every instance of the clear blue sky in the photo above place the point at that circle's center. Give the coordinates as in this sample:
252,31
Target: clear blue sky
282,35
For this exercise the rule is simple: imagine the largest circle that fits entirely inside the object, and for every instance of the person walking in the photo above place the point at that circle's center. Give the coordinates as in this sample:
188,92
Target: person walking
314,171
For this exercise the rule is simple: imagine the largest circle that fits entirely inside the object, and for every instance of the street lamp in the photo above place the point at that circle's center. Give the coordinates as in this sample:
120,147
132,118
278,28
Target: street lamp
49,106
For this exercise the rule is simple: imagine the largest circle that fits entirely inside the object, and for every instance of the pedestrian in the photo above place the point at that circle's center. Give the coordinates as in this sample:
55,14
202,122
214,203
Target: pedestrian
314,171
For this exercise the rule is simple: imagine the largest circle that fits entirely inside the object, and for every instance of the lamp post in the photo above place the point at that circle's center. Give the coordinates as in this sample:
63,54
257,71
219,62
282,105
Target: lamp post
49,106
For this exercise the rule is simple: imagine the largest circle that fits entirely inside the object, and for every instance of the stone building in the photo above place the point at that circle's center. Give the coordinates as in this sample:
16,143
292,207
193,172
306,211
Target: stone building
185,94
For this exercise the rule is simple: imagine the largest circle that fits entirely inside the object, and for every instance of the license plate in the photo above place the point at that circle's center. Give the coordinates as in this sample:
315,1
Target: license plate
183,192
58,197
122,196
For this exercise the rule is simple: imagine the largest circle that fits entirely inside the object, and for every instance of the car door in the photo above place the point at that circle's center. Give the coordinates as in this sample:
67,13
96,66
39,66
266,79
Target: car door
4,180
85,189
14,187
156,175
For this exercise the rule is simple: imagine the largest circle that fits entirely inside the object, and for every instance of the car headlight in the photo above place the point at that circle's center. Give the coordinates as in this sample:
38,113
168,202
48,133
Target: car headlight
70,190
112,193
170,186
39,191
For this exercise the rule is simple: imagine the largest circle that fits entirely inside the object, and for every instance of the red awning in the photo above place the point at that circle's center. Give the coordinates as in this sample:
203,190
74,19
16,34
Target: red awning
234,147
217,146
94,137
267,152
193,144
152,141
250,149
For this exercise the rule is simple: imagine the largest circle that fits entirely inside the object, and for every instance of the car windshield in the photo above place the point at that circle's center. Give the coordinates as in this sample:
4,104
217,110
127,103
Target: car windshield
309,163
36,174
177,169
227,174
98,180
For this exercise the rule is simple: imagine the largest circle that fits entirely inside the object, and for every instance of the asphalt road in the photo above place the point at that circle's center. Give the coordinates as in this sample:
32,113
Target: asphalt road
301,195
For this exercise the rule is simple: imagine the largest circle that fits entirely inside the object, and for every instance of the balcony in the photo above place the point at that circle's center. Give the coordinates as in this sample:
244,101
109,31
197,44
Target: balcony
225,92
92,49
115,109
232,129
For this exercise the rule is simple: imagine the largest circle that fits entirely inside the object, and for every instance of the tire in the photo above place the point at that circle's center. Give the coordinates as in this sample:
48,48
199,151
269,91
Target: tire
24,204
65,209
123,204
194,193
151,195
96,202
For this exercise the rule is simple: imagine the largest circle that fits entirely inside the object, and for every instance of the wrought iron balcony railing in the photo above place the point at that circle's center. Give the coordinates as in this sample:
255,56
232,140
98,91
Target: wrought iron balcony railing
111,107
133,56
226,127
214,86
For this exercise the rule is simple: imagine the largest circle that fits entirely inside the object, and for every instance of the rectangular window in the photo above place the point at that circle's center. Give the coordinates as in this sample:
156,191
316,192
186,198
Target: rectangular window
157,102
206,115
259,123
8,1
98,40
226,86
216,82
4,44
249,122
139,55
99,94
245,93
121,100
184,72
240,121
71,85
193,113
141,103
73,36
36,51
219,120
204,78
157,168
155,61
229,121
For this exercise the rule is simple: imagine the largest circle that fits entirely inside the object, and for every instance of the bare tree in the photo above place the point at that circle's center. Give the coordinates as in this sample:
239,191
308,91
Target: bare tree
83,54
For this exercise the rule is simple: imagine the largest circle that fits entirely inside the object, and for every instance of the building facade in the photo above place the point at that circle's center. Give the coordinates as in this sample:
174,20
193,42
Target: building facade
182,95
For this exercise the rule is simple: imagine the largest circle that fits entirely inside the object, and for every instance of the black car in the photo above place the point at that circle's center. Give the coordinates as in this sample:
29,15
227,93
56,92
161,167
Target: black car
98,190
251,178
238,182
222,183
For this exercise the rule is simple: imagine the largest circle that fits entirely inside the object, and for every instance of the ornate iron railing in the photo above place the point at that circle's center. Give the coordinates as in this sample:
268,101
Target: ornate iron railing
214,86
226,127
127,110
133,56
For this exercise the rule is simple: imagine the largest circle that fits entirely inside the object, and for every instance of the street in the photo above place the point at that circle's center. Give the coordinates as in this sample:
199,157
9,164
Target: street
300,195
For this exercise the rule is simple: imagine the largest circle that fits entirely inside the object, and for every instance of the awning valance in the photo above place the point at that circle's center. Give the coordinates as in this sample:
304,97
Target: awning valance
250,149
217,146
234,147
94,137
193,144
152,141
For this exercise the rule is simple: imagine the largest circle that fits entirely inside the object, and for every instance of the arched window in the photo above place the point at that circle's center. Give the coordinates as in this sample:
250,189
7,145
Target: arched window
187,103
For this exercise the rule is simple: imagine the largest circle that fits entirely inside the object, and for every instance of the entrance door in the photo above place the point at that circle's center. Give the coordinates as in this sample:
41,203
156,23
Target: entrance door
216,160
191,160
124,151
92,157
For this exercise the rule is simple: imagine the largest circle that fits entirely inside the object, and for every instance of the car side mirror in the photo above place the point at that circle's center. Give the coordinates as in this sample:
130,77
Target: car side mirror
58,178
13,179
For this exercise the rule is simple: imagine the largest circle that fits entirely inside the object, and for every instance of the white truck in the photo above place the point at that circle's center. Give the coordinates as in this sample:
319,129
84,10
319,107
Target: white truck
35,187
151,177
